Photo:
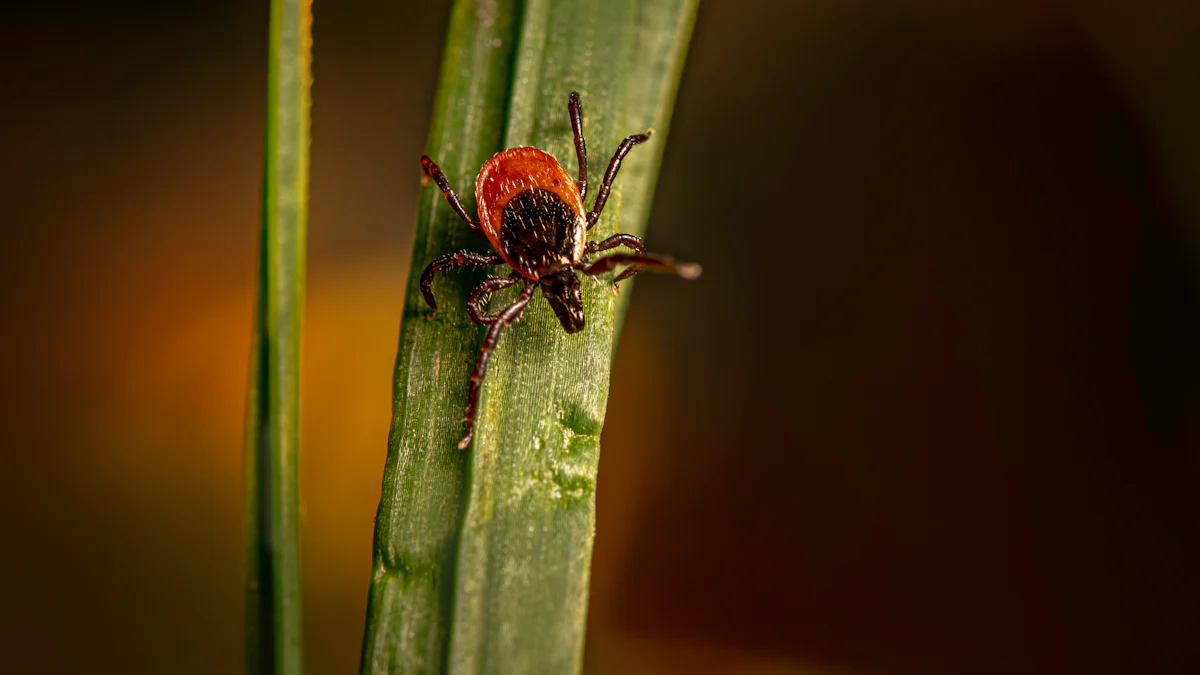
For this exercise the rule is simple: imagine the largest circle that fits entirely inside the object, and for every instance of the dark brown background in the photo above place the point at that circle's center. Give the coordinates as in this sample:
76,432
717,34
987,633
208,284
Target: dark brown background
932,408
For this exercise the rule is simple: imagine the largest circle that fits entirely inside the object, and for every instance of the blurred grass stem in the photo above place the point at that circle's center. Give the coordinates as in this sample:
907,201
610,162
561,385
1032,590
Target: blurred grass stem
273,613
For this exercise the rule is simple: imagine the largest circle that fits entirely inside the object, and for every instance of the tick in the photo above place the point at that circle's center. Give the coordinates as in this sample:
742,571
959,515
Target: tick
533,214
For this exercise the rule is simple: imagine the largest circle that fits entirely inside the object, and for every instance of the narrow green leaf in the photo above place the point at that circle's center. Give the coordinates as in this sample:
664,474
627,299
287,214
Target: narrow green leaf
482,559
273,617
420,511
525,552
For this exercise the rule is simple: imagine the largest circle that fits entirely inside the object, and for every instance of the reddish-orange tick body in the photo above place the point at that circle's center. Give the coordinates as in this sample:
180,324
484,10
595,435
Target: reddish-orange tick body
531,211
533,214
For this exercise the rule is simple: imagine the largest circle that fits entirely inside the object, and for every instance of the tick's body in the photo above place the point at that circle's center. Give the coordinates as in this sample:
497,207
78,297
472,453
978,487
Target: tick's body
531,211
533,214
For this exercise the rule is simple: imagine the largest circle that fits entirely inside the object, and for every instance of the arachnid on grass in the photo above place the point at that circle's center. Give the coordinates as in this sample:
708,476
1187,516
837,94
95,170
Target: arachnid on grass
532,212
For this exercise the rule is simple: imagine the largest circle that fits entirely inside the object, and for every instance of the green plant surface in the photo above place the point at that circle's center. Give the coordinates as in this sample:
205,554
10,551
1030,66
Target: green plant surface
273,613
482,559
420,511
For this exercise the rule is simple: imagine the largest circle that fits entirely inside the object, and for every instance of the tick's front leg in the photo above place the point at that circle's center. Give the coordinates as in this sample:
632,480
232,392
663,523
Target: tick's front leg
432,170
575,112
614,165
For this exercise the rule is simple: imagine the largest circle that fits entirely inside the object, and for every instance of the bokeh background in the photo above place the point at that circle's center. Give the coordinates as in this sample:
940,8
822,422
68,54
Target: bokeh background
931,409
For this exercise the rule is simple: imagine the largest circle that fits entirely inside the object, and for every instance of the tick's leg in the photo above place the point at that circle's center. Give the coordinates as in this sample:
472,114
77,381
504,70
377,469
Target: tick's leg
435,172
575,110
502,320
459,259
477,300
659,263
614,241
611,174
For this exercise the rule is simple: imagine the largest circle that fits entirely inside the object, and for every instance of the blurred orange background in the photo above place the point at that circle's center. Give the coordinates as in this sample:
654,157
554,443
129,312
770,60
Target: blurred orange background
932,409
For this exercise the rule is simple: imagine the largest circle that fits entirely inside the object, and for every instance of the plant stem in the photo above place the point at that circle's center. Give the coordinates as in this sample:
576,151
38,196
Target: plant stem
525,550
482,560
273,616
420,511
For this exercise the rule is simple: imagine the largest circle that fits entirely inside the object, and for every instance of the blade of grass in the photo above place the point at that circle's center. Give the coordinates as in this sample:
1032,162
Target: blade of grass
518,601
416,530
273,616
525,548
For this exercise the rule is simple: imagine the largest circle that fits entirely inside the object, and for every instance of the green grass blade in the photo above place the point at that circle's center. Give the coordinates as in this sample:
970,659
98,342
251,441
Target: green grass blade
510,596
525,549
420,511
273,616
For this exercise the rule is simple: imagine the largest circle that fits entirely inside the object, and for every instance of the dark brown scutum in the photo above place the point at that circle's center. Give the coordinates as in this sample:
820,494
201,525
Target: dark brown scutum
539,231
